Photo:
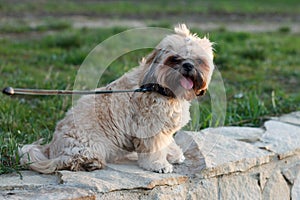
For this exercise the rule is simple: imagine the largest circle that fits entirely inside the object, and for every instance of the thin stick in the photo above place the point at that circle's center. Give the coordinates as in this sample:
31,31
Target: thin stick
19,91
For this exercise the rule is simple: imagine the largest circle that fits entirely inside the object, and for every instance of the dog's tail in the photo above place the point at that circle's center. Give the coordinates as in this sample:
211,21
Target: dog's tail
34,156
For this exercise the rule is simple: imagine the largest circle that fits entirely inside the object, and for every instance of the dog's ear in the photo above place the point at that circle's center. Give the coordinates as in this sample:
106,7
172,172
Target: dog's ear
152,56
150,62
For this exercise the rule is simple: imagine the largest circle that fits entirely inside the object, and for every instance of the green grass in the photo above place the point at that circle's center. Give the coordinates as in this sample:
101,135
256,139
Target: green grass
21,26
260,71
148,8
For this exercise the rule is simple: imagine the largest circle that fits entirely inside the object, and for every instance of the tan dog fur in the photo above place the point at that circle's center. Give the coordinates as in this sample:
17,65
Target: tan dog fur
104,128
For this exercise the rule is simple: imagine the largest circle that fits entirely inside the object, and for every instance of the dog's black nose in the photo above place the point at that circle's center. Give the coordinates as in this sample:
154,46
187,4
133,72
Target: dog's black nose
187,66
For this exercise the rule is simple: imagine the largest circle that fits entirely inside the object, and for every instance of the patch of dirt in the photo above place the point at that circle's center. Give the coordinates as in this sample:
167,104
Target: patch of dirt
259,22
194,17
257,26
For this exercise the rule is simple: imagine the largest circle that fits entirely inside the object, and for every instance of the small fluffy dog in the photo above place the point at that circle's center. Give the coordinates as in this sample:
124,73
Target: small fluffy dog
104,128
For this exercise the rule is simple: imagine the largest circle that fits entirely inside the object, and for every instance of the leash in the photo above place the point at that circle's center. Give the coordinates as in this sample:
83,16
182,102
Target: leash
144,88
19,91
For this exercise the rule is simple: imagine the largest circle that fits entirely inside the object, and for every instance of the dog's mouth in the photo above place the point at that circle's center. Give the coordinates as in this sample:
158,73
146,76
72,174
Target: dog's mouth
192,84
186,82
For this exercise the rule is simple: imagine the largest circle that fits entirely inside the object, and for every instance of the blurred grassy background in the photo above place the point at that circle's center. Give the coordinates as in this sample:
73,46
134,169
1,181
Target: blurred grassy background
147,8
41,48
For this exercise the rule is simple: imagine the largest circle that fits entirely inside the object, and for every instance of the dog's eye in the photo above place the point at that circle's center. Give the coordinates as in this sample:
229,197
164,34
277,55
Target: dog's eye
174,59
199,61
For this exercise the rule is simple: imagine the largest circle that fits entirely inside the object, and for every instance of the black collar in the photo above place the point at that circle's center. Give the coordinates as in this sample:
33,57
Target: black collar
154,87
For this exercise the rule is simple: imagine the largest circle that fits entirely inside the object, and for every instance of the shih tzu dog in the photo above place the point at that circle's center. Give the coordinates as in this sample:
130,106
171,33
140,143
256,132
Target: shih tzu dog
104,128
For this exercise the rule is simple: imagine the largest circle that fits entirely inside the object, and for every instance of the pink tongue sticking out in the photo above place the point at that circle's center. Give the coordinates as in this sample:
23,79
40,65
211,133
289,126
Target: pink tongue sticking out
186,83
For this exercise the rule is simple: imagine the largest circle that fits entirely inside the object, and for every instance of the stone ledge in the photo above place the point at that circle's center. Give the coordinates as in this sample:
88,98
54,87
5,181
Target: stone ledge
119,177
221,163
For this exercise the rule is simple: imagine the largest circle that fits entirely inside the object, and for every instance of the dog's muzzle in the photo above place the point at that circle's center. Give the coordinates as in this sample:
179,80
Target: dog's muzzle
187,66
192,78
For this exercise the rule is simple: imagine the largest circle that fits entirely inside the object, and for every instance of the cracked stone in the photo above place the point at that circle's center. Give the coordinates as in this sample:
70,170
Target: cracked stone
176,192
239,187
291,173
296,188
224,155
276,188
263,178
119,177
203,189
281,138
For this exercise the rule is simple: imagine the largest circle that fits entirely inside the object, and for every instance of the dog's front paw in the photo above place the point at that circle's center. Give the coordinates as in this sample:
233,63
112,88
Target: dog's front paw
156,166
176,159
180,160
166,169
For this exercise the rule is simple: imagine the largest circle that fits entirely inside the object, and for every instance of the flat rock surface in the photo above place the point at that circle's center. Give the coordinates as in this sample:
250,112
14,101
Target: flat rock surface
29,179
243,134
217,159
119,177
239,187
291,118
280,137
296,187
219,150
276,188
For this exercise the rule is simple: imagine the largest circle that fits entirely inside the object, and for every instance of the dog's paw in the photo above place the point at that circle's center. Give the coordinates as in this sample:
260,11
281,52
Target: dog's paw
91,166
157,166
164,170
178,159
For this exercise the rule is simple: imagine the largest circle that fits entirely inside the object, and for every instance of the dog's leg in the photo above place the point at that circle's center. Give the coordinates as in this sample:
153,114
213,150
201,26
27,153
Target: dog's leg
152,154
75,159
80,159
174,153
155,162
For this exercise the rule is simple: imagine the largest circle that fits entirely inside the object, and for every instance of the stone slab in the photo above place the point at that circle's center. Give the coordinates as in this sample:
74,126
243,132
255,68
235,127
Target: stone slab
296,188
225,155
203,189
59,192
276,188
291,173
27,180
291,118
243,134
221,163
239,187
119,177
280,138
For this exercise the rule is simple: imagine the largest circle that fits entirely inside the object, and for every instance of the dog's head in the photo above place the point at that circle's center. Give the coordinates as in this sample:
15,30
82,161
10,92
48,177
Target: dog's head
182,63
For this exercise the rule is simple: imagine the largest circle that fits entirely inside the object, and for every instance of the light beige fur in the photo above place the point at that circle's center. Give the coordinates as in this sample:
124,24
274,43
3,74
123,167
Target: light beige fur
104,128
